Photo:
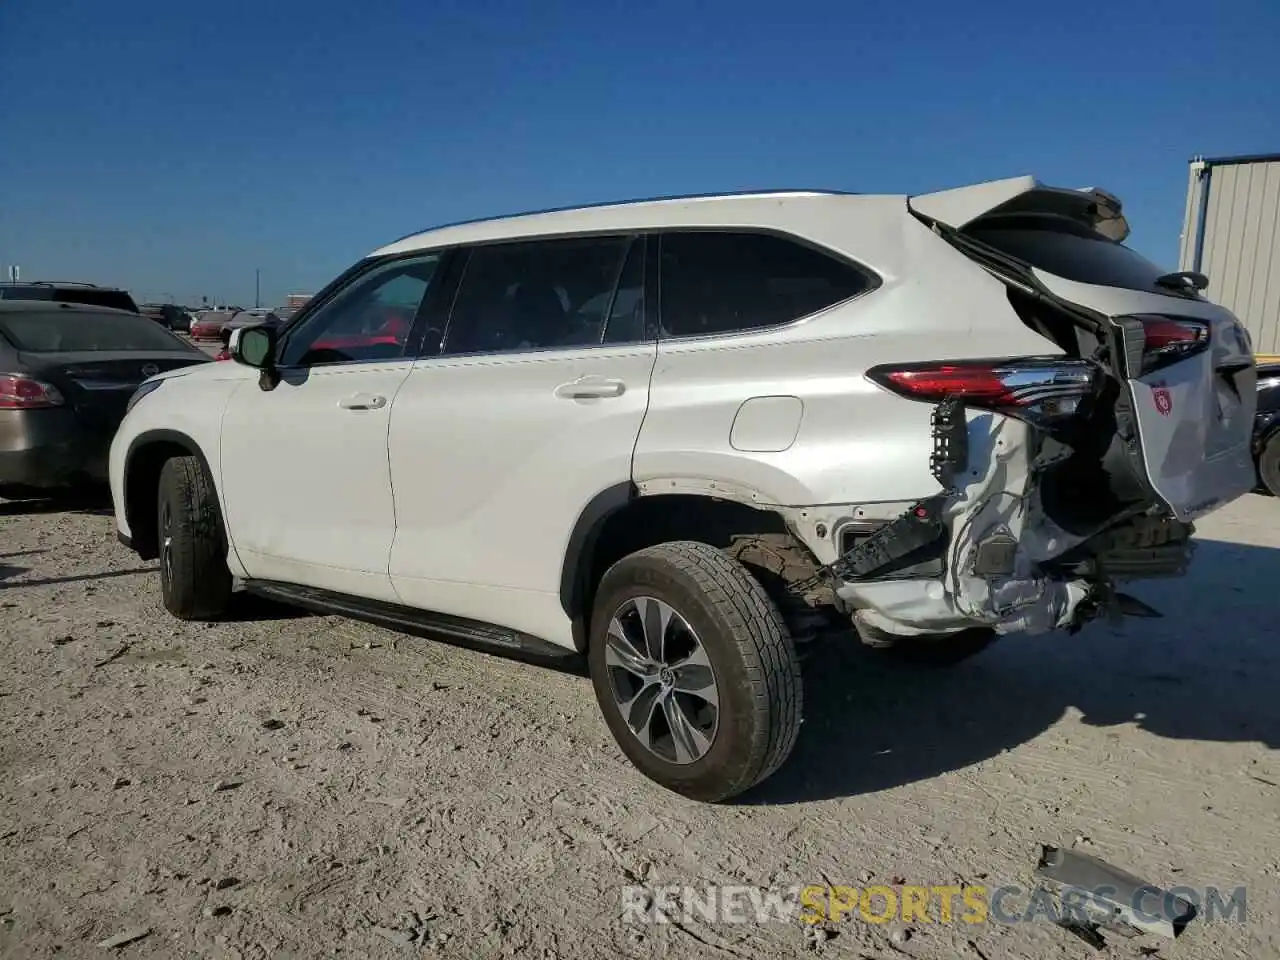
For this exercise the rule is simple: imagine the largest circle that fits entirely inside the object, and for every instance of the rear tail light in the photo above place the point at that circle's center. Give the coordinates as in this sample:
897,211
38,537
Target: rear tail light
1152,341
223,354
18,392
1041,390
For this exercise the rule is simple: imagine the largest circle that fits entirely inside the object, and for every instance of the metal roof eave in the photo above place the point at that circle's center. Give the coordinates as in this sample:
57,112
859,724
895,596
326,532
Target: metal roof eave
1240,158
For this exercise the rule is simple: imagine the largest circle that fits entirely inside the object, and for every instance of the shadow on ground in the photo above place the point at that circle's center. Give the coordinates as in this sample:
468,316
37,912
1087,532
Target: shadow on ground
8,572
1209,670
20,553
248,607
92,501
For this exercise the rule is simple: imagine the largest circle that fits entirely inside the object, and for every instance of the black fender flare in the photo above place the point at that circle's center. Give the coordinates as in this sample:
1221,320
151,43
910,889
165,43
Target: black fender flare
150,438
576,567
1265,428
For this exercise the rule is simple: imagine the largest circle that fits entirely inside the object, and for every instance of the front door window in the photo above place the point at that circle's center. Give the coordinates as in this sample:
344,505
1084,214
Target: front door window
368,320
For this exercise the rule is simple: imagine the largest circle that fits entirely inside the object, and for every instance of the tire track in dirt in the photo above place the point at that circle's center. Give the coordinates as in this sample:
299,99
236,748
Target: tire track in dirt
488,794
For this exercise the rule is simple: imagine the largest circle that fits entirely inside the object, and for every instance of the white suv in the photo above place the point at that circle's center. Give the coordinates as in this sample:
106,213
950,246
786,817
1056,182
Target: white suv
681,436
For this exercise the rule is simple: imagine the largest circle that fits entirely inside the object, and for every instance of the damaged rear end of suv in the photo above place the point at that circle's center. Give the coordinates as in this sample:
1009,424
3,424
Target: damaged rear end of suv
1065,474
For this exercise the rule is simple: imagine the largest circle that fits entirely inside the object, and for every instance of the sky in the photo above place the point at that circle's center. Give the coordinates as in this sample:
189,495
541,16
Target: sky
175,149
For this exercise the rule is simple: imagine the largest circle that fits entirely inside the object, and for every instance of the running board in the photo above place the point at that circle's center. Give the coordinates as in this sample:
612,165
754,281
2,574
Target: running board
434,626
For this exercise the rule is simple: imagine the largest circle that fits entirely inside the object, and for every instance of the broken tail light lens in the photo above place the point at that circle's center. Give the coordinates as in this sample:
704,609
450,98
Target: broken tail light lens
1152,341
18,392
1042,390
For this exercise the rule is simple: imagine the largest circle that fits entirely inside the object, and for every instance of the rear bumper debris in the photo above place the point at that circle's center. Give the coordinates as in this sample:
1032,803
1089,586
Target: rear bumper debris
1001,562
1106,898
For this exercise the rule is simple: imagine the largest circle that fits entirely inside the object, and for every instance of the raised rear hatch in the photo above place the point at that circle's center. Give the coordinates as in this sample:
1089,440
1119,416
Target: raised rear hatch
1186,365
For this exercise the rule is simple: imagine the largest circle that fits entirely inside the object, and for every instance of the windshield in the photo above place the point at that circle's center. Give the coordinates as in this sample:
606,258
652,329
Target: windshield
68,331
1072,252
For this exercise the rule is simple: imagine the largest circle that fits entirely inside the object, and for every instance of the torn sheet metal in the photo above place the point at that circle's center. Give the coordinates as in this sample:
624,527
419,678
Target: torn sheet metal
999,535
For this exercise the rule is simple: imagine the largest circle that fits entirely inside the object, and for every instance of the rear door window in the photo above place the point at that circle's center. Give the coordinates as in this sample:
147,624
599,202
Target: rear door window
626,320
536,295
725,282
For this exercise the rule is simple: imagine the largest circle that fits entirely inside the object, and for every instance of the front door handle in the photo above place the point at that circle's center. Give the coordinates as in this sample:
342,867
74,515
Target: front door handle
587,388
362,401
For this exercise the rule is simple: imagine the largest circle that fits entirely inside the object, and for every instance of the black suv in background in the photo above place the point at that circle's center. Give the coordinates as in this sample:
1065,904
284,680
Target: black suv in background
87,293
168,315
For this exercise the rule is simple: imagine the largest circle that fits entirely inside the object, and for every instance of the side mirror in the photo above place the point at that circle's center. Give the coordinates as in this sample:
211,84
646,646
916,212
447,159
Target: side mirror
254,346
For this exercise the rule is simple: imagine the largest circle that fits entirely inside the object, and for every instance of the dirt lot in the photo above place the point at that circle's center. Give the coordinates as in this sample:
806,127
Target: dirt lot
291,785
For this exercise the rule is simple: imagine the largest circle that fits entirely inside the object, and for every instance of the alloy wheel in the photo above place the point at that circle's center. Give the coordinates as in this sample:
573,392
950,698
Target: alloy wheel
662,680
166,540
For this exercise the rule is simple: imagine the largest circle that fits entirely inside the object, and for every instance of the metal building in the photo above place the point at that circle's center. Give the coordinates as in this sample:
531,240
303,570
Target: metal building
1231,233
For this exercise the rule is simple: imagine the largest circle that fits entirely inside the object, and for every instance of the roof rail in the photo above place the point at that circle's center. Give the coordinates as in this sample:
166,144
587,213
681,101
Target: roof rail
626,203
52,283
1239,158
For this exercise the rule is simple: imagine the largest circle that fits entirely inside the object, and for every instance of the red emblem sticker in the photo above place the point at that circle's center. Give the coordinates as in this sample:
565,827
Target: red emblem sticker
1163,400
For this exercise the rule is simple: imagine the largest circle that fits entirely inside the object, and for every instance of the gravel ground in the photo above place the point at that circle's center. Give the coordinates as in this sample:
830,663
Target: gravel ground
292,785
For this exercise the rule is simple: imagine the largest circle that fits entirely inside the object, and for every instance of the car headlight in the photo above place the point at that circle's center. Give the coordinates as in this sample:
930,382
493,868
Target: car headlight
141,392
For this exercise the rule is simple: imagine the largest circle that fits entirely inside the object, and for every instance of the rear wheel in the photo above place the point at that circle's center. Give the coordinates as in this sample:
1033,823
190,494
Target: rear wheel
194,579
1269,464
694,670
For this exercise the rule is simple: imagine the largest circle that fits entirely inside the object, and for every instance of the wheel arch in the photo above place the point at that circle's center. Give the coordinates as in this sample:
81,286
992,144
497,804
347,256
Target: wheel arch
1265,429
621,520
1265,437
575,571
148,452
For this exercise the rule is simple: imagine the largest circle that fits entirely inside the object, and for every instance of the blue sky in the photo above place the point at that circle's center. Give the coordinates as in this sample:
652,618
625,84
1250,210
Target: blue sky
174,148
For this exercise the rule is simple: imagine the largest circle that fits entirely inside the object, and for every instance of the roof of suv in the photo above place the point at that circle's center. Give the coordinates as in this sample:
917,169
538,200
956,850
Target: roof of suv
729,208
53,283
69,292
56,284
43,306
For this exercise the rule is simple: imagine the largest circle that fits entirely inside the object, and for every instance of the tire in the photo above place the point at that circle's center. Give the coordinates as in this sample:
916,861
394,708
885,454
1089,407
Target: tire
194,580
754,673
946,650
1269,464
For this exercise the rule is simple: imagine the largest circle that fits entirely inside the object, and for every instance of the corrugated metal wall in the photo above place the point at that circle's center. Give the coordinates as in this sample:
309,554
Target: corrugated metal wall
1232,234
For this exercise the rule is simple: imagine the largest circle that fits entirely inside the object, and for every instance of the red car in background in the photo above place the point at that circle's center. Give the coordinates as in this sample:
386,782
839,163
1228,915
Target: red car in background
390,332
208,325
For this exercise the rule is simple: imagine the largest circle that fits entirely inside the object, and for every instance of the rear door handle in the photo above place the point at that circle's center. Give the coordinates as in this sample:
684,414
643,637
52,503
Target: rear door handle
363,401
586,388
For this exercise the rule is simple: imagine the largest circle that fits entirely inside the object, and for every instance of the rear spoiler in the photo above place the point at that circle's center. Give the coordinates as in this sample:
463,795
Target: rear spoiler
957,208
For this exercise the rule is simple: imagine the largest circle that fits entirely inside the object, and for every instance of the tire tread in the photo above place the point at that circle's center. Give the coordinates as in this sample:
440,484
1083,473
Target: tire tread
1269,464
757,626
201,587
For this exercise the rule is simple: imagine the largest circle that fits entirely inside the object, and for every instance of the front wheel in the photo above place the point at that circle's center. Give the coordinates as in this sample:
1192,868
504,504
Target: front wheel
194,579
694,670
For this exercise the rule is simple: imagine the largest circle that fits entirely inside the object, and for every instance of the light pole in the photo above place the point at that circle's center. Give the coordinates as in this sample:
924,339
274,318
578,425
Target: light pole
257,287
